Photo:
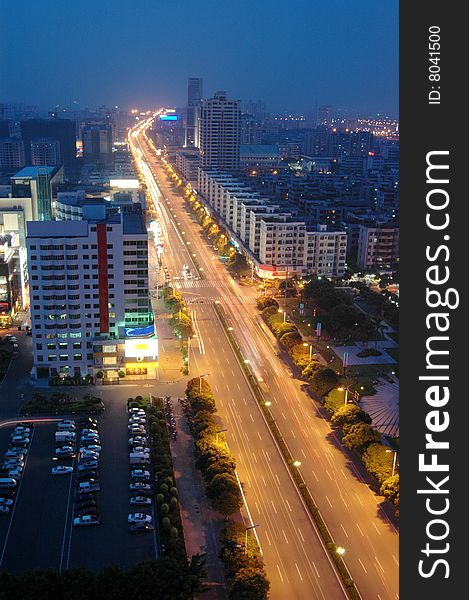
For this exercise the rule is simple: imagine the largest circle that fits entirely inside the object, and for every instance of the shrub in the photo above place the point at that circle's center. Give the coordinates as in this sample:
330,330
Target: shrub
310,369
284,328
390,489
250,584
323,380
291,339
378,462
265,301
359,436
350,414
99,375
269,312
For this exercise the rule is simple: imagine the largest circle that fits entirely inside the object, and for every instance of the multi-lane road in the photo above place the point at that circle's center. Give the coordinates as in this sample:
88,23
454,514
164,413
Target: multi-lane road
296,561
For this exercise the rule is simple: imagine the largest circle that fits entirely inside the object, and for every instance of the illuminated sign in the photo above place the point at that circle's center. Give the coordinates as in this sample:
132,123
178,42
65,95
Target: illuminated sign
141,348
140,332
169,117
125,184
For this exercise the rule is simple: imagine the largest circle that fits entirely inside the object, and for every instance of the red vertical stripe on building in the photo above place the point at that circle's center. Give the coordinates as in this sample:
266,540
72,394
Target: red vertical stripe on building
103,279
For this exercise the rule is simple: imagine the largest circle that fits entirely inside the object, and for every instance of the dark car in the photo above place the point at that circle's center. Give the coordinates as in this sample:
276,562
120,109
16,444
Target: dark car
87,464
88,421
87,511
141,527
82,496
87,474
82,504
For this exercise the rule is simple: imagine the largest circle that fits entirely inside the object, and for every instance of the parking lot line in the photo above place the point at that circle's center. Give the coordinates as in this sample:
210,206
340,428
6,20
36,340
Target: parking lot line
70,487
16,500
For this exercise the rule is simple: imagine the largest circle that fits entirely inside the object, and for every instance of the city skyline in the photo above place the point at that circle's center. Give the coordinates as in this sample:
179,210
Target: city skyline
243,55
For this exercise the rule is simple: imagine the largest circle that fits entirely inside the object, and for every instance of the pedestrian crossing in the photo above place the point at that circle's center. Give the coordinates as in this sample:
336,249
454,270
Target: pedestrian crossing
190,284
213,299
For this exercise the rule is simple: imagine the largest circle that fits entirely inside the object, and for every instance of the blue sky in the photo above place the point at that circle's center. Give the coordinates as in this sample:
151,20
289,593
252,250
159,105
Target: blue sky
289,54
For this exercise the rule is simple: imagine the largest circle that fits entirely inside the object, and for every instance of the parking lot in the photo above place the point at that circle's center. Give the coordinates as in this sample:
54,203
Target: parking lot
38,531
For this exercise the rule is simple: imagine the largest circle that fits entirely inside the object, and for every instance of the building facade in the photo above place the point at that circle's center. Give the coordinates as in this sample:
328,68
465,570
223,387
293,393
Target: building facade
194,98
219,125
89,299
45,152
11,154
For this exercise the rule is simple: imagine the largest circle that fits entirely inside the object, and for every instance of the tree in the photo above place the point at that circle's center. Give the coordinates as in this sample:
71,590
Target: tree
390,489
291,339
238,264
265,301
350,414
250,584
182,325
203,401
310,369
323,380
195,384
284,328
378,462
224,493
225,464
359,436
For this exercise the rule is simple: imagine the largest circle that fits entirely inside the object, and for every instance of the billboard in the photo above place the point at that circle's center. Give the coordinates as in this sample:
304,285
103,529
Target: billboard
140,332
169,117
141,348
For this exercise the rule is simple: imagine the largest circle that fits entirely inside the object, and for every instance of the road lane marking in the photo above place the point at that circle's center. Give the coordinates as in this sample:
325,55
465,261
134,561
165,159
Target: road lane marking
358,498
316,569
280,574
395,560
288,504
301,535
265,530
298,571
329,501
358,527
343,529
263,480
363,566
273,506
315,476
376,529
376,559
285,536
329,475
239,387
259,436
303,453
293,433
252,418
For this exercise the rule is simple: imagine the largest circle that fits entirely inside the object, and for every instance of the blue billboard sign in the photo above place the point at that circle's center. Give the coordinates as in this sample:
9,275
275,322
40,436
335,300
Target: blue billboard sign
169,117
140,332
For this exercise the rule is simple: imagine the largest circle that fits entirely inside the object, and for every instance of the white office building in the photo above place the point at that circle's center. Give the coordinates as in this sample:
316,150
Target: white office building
89,297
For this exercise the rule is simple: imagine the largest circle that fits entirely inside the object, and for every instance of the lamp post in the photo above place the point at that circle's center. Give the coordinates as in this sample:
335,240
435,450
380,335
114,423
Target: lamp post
394,461
341,389
310,350
200,381
220,431
246,537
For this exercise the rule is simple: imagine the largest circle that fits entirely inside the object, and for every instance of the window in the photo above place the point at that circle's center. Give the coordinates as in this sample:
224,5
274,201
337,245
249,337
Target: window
63,357
38,346
77,357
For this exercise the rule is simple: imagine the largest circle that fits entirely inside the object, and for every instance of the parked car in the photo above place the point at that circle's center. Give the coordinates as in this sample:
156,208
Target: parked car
62,470
84,496
86,465
91,448
21,439
64,452
89,454
18,450
4,510
138,440
140,486
12,462
87,474
139,473
141,527
90,485
139,518
22,430
87,511
132,411
141,449
86,520
89,439
18,455
15,472
140,500
90,431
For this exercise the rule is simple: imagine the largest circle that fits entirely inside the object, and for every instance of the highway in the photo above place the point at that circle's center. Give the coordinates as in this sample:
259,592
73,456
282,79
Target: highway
349,508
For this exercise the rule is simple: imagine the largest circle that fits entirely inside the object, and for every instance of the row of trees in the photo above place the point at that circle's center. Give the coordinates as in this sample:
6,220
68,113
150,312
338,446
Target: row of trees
181,322
245,567
166,494
61,402
359,435
321,379
167,578
212,456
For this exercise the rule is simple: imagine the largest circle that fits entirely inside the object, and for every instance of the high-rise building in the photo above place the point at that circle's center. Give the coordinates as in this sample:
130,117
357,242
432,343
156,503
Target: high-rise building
90,311
220,132
4,128
63,130
97,144
194,97
11,154
378,246
37,187
45,152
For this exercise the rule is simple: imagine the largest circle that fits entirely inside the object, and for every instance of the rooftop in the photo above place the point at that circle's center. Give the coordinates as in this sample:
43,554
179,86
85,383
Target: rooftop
259,150
33,172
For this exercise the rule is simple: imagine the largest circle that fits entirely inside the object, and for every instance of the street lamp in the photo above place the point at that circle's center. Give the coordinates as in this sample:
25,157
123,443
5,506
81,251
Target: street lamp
310,350
393,462
246,537
200,381
341,389
220,431
297,463
340,550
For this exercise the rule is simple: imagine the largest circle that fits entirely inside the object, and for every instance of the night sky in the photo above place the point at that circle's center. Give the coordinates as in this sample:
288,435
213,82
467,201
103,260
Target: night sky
140,52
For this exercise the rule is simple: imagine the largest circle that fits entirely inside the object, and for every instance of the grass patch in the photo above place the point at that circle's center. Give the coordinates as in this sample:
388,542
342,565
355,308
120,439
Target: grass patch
61,403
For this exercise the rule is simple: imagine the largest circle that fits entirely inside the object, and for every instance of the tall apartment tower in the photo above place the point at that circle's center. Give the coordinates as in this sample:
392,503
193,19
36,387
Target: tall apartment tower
45,152
220,130
194,98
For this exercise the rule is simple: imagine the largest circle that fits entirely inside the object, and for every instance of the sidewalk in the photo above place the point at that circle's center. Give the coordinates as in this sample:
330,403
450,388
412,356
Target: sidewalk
201,524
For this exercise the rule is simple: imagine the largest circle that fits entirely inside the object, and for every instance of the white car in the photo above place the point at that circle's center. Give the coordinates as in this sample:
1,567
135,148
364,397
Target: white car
91,448
140,500
66,422
86,520
64,451
142,449
62,470
13,463
139,486
15,473
17,450
4,510
20,430
139,473
89,432
89,454
134,411
22,439
19,455
139,518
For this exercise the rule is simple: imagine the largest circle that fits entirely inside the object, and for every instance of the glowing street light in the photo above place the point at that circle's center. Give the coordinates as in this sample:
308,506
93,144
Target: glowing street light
340,550
297,463
393,462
